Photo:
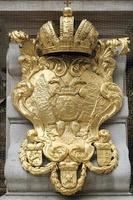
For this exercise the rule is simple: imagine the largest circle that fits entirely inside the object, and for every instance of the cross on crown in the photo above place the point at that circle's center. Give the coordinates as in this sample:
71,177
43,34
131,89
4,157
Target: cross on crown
67,3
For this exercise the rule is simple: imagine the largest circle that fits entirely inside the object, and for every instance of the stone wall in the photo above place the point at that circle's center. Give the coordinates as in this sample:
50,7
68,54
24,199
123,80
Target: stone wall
112,19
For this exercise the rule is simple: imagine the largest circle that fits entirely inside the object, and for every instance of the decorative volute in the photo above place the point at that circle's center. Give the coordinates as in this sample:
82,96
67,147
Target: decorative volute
67,92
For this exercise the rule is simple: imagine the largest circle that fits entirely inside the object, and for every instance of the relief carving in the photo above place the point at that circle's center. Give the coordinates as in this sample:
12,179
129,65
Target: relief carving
67,92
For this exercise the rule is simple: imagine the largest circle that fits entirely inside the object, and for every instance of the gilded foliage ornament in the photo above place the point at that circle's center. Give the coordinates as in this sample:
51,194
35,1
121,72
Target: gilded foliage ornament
67,92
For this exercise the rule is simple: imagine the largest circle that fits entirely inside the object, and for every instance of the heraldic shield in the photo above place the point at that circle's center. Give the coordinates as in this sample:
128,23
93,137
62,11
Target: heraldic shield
67,92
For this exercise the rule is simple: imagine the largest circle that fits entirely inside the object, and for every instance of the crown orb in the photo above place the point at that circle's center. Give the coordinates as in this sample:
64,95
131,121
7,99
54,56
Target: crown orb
67,12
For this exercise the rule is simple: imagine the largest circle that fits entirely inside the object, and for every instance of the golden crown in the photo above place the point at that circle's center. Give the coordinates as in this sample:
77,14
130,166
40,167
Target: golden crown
84,40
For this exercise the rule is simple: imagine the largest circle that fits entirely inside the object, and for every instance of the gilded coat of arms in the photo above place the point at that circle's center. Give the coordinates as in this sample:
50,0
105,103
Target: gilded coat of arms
67,92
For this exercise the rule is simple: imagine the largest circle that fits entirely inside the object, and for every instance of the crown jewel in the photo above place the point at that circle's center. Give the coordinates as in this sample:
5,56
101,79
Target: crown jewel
83,40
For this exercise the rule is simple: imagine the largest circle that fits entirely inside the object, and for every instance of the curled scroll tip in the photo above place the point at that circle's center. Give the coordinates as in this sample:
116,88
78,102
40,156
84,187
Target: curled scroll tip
18,36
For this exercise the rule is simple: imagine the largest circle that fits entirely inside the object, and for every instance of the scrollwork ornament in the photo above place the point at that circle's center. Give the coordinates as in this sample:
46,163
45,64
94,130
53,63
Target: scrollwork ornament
67,96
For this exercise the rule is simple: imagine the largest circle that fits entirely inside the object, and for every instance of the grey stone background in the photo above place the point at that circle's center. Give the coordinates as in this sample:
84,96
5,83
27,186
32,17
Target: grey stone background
111,18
